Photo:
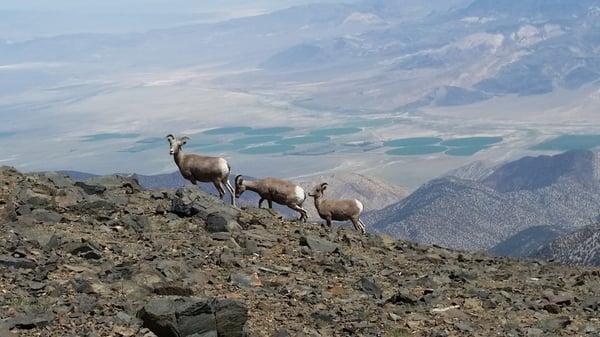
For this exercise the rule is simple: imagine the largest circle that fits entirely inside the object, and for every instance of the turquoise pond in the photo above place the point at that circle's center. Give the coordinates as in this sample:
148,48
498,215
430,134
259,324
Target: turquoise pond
109,136
310,139
569,142
416,150
336,131
227,131
268,149
417,141
268,131
472,141
255,140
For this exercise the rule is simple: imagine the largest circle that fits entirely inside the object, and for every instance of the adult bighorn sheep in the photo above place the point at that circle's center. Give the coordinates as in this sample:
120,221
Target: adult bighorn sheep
339,210
274,190
204,169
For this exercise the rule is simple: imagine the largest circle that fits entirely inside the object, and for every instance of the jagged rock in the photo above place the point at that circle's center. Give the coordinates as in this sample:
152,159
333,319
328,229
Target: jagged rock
47,216
85,249
220,222
93,205
31,320
369,286
404,297
318,244
91,188
16,262
244,280
186,316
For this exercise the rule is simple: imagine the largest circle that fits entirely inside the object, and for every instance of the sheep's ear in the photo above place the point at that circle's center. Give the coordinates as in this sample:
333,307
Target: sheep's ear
238,179
184,140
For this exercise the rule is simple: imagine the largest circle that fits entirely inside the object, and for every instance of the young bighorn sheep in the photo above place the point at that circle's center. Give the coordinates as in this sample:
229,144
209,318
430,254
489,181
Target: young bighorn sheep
204,169
339,210
274,190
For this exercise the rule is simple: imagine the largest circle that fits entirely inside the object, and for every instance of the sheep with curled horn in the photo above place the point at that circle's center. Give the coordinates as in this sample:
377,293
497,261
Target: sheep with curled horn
274,190
338,210
196,168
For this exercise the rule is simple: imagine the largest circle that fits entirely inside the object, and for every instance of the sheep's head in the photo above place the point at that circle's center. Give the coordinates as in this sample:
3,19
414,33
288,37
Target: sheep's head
317,192
239,186
176,144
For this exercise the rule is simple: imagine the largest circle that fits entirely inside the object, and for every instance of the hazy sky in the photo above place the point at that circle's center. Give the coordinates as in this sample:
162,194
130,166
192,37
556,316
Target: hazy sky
25,19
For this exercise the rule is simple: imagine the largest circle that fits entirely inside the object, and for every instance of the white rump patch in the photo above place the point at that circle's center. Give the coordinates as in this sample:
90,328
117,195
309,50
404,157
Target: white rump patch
300,195
223,165
359,205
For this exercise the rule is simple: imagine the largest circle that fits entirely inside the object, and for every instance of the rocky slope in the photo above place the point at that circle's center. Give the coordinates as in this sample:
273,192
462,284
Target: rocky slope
109,258
561,191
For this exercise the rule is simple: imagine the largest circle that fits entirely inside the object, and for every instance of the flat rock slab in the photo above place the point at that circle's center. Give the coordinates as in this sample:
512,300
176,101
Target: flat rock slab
318,244
30,321
173,316
16,262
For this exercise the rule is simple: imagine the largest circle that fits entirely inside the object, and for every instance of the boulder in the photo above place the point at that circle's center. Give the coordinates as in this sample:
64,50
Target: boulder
16,262
221,222
318,244
91,188
191,201
174,316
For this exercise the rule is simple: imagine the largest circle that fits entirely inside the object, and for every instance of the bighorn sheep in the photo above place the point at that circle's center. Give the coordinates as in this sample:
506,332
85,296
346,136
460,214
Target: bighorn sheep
339,210
277,190
197,168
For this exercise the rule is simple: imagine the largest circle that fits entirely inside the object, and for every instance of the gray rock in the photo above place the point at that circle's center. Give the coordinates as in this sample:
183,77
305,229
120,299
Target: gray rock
318,245
16,262
31,320
244,280
187,316
369,286
46,216
220,222
85,249
91,188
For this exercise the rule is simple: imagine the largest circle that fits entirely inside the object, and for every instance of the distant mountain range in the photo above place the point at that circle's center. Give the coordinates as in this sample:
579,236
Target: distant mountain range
514,210
383,55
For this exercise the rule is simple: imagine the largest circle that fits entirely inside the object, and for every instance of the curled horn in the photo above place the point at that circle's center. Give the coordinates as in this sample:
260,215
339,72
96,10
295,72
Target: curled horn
324,184
170,137
184,139
238,178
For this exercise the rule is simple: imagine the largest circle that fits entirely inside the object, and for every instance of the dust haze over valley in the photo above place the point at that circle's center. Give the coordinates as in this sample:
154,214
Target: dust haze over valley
299,89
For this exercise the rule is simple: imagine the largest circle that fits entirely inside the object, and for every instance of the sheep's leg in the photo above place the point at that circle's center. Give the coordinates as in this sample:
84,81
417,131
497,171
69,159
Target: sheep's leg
260,202
357,225
231,191
303,215
219,189
328,221
270,203
362,226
